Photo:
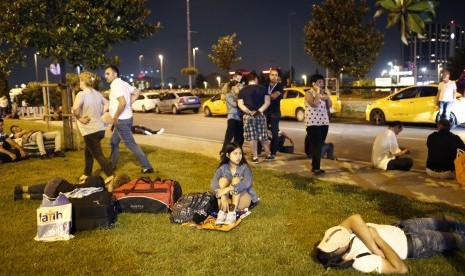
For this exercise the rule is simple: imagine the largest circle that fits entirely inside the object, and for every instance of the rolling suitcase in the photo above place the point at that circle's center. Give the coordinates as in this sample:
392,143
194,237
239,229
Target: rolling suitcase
96,210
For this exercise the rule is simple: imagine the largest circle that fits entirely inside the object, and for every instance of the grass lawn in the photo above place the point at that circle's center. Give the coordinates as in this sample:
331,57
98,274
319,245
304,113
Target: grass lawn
276,239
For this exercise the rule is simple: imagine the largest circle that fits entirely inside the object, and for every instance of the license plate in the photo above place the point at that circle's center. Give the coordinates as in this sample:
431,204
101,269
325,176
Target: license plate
191,100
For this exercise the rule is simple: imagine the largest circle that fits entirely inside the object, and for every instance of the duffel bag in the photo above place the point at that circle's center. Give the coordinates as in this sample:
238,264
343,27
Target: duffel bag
146,195
194,207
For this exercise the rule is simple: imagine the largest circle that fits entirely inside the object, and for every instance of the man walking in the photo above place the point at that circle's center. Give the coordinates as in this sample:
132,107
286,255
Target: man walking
121,96
253,100
447,91
273,113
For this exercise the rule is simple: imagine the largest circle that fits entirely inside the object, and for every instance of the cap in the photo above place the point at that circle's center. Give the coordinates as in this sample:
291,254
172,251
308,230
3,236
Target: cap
335,238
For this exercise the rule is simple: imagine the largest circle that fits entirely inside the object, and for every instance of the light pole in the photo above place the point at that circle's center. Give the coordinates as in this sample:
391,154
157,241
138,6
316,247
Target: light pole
193,53
35,61
219,81
290,47
188,42
162,84
304,77
141,57
439,72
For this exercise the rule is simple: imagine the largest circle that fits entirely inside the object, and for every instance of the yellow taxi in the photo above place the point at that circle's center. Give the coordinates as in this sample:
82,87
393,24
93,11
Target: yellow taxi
292,104
413,104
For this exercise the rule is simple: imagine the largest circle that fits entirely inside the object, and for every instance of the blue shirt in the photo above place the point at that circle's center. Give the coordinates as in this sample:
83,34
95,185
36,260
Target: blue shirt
231,103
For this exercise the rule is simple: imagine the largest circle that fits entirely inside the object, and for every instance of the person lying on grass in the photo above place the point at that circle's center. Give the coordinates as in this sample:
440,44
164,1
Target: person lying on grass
370,247
59,185
233,181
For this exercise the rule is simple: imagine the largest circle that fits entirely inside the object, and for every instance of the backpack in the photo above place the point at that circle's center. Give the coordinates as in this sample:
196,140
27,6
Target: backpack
194,207
146,195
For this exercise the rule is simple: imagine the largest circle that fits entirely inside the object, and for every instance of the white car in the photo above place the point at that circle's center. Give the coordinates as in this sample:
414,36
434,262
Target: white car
146,102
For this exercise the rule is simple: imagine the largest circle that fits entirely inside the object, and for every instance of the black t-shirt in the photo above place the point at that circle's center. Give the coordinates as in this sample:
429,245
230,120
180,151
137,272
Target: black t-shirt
275,105
442,150
3,142
253,96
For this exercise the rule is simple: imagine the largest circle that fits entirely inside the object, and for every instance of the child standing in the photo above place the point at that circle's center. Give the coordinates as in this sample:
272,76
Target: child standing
233,180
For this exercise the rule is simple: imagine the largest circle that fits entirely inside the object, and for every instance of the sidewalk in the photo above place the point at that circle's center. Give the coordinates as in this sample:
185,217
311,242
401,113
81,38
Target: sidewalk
412,184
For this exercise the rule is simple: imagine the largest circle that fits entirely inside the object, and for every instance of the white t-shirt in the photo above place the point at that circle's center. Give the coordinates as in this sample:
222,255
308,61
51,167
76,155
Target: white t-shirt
384,149
392,235
90,103
120,88
446,91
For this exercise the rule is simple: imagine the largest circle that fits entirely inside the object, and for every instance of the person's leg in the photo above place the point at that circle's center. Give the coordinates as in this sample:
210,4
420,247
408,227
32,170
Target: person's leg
114,146
124,131
442,110
441,175
315,136
239,132
328,151
88,158
229,134
94,147
38,138
56,136
5,158
308,144
35,189
274,127
447,108
400,164
262,133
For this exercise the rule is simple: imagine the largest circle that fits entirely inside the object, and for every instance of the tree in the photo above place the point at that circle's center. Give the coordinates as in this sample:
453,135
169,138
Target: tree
339,37
409,15
224,53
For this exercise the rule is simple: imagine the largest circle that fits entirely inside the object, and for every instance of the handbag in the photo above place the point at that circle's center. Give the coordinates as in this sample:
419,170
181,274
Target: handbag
54,219
459,163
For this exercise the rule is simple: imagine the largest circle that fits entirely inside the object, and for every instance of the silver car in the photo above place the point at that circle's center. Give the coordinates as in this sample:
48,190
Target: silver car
178,101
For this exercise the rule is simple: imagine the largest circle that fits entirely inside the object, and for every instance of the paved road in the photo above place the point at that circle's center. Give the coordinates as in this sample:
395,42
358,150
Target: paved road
352,138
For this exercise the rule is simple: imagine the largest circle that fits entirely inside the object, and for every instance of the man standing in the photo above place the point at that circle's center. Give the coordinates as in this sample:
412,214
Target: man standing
273,113
253,100
386,154
121,96
9,150
447,90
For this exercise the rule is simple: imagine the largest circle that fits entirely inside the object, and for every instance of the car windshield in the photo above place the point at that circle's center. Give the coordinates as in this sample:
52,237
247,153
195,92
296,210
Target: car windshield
154,96
185,94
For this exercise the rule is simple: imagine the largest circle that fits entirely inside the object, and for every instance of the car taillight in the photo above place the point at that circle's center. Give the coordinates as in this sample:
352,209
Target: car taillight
181,101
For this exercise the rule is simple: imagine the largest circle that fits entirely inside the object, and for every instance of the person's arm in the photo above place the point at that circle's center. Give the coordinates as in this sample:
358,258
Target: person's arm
105,104
275,94
9,153
135,95
312,100
356,225
231,99
265,105
119,110
15,145
391,262
246,180
242,106
76,110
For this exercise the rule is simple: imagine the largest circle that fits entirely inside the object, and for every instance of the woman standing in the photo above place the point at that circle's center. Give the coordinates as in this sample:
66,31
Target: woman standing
317,102
88,108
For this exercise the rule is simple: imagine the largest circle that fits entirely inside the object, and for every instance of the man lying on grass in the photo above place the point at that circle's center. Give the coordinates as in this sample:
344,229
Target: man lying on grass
369,247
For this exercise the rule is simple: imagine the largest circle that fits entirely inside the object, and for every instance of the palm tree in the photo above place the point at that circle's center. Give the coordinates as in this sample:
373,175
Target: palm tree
409,15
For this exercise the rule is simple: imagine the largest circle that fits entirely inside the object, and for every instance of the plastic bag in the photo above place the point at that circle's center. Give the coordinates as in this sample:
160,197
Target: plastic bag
54,219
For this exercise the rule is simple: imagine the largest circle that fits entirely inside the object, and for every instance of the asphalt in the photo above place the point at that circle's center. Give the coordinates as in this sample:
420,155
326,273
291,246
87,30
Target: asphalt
412,184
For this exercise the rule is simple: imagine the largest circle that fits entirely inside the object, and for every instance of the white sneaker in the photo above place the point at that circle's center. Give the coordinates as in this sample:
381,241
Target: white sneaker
147,132
160,131
220,218
230,218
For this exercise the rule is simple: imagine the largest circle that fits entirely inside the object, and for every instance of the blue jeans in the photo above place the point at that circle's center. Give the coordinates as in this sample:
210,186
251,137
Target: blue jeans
122,131
444,110
434,235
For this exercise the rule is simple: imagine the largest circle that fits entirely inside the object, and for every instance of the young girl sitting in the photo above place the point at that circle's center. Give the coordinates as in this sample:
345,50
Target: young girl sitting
233,180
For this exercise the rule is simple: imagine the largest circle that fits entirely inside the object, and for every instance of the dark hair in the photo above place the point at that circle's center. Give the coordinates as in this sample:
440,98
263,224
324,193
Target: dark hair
230,148
114,68
11,128
276,69
395,124
1,120
333,259
445,71
251,76
444,125
316,77
232,83
238,73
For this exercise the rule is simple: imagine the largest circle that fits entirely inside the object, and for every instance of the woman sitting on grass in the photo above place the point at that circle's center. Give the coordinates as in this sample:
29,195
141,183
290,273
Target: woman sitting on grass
59,185
233,180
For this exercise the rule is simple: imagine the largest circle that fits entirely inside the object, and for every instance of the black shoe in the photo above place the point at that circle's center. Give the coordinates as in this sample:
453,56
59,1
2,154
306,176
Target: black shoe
318,172
44,156
58,153
269,157
254,160
17,196
147,171
18,189
254,204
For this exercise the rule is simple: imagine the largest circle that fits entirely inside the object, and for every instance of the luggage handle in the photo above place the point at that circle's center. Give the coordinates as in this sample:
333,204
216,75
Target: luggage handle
147,180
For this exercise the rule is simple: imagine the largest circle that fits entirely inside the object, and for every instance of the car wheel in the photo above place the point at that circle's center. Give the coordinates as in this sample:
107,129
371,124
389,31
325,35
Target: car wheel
377,117
157,109
144,109
300,114
207,112
175,109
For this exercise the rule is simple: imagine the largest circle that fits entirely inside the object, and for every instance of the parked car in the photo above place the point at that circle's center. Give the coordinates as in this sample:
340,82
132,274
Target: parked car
178,101
413,104
215,105
146,102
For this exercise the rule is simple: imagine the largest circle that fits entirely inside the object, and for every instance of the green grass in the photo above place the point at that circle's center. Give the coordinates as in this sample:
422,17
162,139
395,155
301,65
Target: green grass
276,239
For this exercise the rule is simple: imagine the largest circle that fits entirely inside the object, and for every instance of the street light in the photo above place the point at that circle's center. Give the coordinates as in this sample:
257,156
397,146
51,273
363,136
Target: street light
439,71
35,61
193,52
170,85
161,71
290,47
219,81
205,84
304,77
141,57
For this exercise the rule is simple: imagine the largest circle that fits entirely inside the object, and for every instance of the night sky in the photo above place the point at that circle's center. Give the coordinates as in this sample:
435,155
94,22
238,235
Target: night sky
261,25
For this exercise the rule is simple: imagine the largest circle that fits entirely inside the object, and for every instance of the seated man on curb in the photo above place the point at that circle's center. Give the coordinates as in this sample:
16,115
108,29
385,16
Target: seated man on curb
370,247
442,150
38,137
9,150
386,154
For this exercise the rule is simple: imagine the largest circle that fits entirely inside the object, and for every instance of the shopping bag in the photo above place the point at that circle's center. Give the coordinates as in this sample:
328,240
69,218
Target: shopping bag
460,166
54,219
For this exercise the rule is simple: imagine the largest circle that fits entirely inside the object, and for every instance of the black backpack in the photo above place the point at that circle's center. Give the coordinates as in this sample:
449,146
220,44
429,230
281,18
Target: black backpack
194,207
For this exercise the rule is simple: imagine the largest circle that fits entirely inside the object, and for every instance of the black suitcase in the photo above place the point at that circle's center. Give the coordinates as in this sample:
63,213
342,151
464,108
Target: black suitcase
96,210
